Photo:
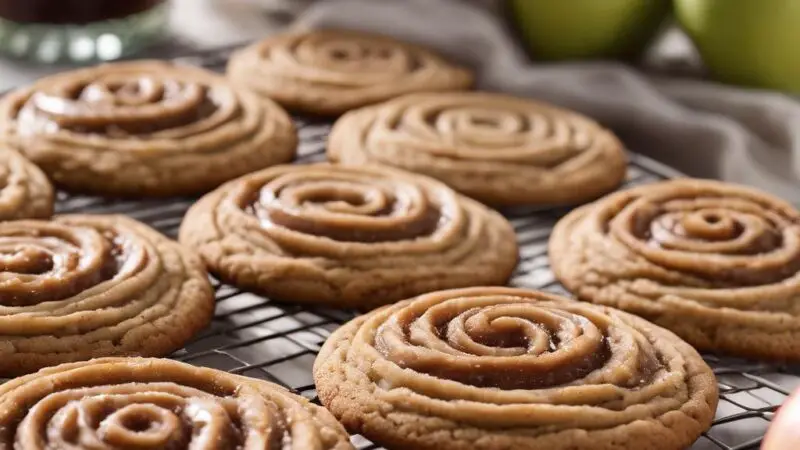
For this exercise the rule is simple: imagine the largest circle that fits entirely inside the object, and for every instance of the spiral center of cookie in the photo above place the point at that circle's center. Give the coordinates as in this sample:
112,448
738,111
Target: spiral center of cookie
373,61
48,262
718,241
129,92
497,342
710,231
26,260
499,333
484,129
479,127
120,105
344,198
345,209
140,425
143,416
715,226
139,403
350,52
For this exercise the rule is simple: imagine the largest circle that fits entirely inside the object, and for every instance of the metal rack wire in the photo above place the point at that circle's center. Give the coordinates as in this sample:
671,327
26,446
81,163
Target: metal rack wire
257,337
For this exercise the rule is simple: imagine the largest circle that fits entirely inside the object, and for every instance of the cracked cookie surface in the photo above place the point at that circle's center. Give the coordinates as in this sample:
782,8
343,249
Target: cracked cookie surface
502,368
84,286
498,149
716,263
147,403
144,128
329,72
356,237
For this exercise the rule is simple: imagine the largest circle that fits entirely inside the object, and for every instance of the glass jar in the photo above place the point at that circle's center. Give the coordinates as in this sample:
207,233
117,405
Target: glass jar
52,31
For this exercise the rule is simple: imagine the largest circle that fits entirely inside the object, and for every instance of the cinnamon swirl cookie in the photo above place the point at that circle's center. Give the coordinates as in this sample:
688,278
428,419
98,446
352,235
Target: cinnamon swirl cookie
141,403
494,148
501,368
331,72
84,286
25,192
716,263
347,236
144,128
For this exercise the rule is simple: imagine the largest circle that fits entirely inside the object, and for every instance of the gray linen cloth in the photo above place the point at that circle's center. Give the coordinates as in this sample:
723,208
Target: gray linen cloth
701,128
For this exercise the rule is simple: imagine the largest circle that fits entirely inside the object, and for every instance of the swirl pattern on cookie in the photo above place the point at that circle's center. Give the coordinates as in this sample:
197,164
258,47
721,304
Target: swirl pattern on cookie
717,263
142,403
84,286
347,236
25,191
331,72
494,368
144,128
494,148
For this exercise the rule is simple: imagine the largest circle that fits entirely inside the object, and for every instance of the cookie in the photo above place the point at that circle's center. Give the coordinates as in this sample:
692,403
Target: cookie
498,149
144,403
501,368
331,72
355,237
25,192
85,286
716,263
144,128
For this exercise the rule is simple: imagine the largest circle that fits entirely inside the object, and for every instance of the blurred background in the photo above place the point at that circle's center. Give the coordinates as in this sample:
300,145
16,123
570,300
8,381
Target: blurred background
705,86
742,41
38,37
43,36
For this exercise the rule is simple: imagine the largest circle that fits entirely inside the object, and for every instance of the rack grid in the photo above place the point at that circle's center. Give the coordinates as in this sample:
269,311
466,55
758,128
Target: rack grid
255,336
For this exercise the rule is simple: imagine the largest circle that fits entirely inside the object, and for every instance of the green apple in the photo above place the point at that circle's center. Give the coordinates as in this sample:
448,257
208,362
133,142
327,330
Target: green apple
749,42
572,29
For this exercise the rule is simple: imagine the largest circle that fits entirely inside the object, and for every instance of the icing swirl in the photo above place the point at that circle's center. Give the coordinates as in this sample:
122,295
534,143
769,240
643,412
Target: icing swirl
511,360
686,251
356,233
81,286
492,147
123,105
174,129
118,403
348,208
331,72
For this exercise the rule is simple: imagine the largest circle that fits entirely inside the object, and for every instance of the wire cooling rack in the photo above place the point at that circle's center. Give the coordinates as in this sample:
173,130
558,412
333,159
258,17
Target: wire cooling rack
254,336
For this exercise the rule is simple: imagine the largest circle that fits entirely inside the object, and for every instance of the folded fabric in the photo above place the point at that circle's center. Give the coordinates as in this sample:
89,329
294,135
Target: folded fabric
699,127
